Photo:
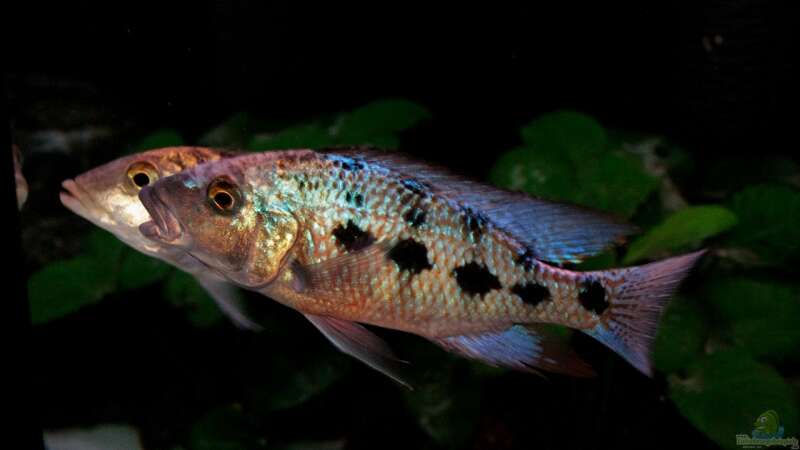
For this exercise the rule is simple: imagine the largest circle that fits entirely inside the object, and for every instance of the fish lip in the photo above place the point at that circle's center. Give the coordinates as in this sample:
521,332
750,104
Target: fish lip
164,226
75,198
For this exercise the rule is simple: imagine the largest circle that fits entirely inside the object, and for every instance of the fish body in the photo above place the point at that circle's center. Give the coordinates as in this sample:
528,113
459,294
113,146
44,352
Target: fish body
366,237
108,196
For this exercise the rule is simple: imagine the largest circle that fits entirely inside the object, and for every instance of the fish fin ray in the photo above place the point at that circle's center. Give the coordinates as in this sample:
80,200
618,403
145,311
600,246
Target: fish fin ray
342,275
355,340
553,231
521,347
629,325
229,299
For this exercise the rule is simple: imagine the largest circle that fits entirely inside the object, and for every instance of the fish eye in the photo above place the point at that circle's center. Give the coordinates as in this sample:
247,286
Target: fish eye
223,195
141,174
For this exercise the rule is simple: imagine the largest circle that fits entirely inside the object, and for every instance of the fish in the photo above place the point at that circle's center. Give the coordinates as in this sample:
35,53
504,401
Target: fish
767,425
357,236
19,179
108,196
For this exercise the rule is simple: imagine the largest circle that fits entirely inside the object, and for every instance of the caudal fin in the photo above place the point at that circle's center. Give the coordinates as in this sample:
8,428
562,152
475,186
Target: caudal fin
637,297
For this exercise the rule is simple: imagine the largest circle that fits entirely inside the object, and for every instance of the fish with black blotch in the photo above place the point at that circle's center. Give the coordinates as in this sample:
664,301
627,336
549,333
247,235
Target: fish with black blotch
108,196
349,237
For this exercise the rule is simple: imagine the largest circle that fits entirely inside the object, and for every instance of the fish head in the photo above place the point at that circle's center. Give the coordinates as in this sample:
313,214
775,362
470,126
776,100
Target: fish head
108,195
767,422
217,216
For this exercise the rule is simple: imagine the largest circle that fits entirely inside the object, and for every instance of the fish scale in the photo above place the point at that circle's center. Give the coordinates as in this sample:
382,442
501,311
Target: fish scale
381,216
348,237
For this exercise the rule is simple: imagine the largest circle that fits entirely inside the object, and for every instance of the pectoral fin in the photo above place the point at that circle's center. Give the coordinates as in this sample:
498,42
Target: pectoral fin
344,276
525,348
360,343
229,299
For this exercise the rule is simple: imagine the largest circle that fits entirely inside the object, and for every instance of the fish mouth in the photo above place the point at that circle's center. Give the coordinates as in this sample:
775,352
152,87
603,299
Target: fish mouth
75,198
164,226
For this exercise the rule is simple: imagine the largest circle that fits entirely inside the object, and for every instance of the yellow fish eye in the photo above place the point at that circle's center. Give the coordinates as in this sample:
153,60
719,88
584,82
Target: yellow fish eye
141,174
223,195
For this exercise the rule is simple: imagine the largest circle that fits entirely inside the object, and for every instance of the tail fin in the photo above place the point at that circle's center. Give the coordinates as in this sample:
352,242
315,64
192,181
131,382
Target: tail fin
637,297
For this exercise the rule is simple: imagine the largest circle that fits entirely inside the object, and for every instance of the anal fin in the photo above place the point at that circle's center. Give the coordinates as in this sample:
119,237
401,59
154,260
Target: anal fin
362,344
521,347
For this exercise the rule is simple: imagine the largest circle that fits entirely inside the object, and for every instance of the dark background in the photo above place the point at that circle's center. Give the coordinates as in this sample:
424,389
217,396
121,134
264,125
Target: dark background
720,78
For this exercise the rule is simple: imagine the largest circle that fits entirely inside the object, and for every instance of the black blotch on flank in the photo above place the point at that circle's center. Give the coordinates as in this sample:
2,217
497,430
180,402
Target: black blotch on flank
414,185
475,222
474,278
348,197
525,259
410,255
358,199
531,293
352,237
592,296
415,217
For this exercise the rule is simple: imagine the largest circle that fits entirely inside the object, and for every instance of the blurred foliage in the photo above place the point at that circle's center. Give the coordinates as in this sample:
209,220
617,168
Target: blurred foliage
567,156
722,395
685,228
376,124
725,345
769,222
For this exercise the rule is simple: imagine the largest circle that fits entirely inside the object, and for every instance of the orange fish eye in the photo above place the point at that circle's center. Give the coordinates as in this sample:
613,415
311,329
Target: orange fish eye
141,174
223,195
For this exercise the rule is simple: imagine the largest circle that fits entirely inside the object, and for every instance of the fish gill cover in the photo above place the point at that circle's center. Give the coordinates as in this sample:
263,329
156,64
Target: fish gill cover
727,348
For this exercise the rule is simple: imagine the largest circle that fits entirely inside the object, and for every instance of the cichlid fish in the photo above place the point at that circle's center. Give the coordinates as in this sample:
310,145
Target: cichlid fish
360,236
108,196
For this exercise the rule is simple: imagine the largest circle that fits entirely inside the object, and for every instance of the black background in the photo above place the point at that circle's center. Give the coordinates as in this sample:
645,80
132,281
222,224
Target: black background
720,78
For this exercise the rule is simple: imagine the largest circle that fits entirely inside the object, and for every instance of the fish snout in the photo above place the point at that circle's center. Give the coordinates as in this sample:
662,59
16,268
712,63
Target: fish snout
75,198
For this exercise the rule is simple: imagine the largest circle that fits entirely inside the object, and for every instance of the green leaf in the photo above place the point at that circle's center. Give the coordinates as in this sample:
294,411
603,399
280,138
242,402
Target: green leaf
225,429
295,379
543,173
685,228
103,246
613,182
769,222
446,402
681,336
158,139
566,132
185,293
301,136
602,261
380,118
726,392
761,317
64,287
137,270
566,157
233,132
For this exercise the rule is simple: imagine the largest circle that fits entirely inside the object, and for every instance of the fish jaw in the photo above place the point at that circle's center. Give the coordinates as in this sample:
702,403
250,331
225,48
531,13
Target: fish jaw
164,228
79,200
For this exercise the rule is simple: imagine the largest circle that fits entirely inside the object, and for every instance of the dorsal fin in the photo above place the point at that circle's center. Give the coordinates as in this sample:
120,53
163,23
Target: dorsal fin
553,231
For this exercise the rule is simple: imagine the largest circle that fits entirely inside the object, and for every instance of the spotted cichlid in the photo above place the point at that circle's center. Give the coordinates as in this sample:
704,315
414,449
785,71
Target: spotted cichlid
108,196
361,236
